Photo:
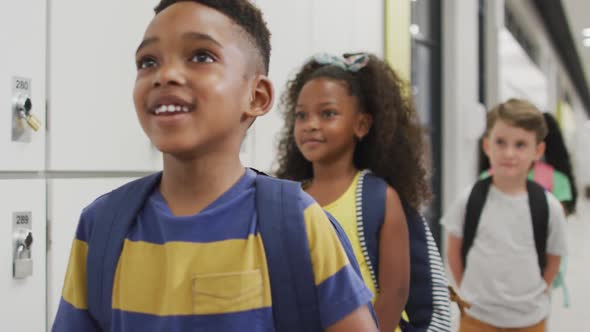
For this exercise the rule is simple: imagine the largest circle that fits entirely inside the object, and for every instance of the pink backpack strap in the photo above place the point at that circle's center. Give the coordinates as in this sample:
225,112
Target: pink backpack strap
544,175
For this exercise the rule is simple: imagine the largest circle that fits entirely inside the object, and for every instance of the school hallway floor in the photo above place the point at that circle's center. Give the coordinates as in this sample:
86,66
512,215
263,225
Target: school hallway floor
576,318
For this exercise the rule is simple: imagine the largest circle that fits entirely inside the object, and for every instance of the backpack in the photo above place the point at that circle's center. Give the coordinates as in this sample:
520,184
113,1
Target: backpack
540,217
539,214
428,306
293,292
544,175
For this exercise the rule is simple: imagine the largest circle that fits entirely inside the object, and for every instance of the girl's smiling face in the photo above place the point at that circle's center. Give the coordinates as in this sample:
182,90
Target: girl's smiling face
328,121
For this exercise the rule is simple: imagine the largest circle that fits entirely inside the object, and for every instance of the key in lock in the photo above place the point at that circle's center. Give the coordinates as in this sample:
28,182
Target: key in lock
23,106
23,263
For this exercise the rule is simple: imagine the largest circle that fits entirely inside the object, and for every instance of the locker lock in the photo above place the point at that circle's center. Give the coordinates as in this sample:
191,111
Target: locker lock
23,103
22,261
23,107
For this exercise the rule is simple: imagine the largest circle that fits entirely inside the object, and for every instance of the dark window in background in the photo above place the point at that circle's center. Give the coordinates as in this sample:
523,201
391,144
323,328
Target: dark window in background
482,51
515,28
425,30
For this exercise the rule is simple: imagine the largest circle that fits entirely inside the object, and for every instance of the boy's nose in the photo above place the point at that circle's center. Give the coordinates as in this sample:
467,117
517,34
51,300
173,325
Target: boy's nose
169,74
510,151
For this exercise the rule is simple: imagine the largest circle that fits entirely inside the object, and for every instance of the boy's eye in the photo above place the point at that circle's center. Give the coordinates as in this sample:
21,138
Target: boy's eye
145,62
328,113
520,145
202,57
499,141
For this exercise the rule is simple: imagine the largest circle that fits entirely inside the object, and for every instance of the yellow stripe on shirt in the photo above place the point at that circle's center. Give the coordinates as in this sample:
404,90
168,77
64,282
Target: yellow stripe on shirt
322,238
74,291
192,278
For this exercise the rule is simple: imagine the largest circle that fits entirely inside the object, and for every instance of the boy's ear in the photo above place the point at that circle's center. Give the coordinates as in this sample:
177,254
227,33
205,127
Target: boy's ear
262,97
363,125
540,150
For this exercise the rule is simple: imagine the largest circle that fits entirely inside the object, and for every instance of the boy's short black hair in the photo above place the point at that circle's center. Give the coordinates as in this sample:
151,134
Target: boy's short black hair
245,14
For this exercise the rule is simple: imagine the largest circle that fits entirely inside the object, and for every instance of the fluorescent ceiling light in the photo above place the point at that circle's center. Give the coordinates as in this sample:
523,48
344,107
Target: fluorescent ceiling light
587,42
586,32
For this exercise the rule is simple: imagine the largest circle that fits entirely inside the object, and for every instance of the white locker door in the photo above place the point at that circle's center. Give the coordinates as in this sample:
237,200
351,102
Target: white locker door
22,304
22,70
93,126
66,199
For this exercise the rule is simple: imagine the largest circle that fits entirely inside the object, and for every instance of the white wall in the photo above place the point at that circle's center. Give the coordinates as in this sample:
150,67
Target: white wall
519,76
463,116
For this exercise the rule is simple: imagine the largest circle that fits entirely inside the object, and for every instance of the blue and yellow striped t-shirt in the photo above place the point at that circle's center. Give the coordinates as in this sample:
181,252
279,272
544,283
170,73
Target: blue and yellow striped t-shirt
205,272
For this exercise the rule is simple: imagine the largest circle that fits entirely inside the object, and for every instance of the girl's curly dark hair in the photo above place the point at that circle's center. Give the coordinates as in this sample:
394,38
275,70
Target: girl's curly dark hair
556,154
394,147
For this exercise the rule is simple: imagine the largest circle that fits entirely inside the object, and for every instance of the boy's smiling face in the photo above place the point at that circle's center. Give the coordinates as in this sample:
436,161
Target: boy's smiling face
196,89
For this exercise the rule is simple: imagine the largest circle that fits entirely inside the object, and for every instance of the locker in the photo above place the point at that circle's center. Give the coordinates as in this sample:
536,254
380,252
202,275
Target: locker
22,76
93,126
66,199
22,304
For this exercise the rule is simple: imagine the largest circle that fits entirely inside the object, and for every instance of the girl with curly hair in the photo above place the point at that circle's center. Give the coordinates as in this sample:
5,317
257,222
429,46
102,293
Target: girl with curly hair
345,116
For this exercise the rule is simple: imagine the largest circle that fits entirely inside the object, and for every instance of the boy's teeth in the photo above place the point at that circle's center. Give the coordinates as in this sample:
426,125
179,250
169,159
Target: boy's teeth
171,109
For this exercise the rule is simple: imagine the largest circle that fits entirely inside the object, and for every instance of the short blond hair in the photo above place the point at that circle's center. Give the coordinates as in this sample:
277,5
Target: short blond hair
521,114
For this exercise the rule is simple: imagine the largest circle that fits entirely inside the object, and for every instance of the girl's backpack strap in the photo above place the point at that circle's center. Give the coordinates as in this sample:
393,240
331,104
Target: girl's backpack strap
428,306
282,228
370,214
114,214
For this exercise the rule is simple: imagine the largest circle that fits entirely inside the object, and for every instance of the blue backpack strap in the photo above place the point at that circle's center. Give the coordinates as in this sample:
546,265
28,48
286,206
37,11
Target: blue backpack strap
370,219
114,217
540,217
475,203
428,306
282,228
